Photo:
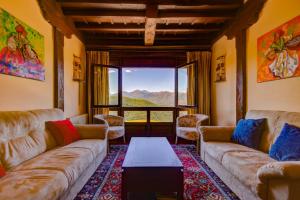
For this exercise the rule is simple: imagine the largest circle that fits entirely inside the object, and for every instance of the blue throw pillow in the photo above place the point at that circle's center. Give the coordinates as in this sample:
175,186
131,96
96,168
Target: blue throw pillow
248,132
287,145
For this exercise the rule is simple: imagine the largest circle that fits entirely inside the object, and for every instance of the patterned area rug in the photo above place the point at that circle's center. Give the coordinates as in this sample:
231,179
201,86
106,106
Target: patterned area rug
200,182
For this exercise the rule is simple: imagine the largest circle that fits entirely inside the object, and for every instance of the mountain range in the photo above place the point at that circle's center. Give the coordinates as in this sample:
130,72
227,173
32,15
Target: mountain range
162,98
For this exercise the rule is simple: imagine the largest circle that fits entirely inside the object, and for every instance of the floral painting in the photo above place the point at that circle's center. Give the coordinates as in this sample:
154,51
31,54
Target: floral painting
279,52
21,48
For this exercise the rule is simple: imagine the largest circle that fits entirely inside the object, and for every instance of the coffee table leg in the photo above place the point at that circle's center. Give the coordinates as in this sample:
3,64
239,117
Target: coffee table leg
124,189
180,186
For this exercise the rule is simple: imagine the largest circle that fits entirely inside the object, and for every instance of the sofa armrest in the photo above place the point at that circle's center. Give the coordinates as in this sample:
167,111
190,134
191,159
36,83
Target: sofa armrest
216,133
279,170
92,131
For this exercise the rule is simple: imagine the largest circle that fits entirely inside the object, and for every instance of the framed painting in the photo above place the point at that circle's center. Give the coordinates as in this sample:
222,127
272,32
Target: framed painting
220,69
279,52
21,48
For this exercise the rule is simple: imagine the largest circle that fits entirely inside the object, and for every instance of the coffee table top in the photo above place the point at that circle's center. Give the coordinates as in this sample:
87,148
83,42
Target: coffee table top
150,152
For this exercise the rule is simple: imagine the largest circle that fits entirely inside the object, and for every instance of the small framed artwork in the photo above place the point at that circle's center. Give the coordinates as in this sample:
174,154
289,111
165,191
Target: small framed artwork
220,69
77,69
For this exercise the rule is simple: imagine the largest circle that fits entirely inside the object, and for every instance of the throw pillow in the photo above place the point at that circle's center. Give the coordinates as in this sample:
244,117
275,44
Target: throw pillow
287,145
2,171
248,132
63,131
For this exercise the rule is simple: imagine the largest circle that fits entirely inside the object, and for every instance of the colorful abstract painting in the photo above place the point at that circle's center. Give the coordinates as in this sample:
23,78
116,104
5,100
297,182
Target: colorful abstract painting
279,52
21,48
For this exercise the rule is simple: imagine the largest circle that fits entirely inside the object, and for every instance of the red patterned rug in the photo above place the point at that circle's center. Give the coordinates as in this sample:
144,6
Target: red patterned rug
200,182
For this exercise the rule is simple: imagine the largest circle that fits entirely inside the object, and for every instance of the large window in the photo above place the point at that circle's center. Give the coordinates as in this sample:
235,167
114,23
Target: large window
144,95
148,87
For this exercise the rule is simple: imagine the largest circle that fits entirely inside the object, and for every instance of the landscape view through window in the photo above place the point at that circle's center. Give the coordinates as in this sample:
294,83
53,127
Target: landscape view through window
147,87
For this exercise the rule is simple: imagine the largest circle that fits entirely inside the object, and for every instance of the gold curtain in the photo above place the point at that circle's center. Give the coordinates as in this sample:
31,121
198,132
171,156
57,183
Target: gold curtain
191,87
203,59
101,82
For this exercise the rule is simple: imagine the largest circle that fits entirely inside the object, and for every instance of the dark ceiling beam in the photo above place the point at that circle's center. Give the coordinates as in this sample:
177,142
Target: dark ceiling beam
166,37
226,14
147,48
96,26
141,42
210,26
160,2
53,13
248,15
102,12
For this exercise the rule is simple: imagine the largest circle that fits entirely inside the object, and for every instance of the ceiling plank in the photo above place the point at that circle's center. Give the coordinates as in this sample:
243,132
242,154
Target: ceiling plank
150,25
160,2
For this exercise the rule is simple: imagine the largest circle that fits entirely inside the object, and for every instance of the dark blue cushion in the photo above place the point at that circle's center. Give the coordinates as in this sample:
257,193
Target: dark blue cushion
248,132
287,145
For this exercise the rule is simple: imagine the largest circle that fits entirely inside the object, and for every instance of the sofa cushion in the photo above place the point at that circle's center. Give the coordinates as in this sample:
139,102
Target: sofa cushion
287,145
37,184
248,132
63,131
96,146
244,166
115,132
189,133
218,149
71,161
22,137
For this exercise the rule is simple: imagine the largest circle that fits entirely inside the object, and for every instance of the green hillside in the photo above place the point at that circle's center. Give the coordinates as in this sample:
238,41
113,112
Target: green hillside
141,116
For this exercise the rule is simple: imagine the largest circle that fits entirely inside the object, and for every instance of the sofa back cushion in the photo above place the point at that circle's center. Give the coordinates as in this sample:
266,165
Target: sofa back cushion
275,122
23,135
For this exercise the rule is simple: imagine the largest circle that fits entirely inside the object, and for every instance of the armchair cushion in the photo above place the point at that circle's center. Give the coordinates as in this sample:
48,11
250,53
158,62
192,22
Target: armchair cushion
116,132
248,132
188,133
287,145
216,133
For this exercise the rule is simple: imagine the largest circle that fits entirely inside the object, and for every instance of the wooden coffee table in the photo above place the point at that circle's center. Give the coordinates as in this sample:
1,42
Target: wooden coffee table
151,165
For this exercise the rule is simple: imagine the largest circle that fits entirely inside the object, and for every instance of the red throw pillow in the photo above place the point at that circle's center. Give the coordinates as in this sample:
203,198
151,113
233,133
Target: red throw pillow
2,171
63,131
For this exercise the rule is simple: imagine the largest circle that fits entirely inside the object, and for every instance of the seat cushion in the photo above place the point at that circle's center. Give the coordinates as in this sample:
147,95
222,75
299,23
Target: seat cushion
96,146
37,184
244,166
115,132
71,161
189,133
218,149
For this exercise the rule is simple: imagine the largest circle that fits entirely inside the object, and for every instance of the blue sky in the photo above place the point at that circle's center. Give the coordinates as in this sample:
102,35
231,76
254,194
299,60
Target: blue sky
151,79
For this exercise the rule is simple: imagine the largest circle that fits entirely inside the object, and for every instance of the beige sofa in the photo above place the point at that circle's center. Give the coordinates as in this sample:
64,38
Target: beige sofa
250,173
38,169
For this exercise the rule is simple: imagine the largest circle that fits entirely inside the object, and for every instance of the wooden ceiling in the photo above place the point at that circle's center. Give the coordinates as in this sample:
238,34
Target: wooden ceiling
150,25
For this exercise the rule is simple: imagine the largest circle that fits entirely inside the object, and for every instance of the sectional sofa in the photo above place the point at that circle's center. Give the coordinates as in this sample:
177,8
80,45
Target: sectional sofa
36,167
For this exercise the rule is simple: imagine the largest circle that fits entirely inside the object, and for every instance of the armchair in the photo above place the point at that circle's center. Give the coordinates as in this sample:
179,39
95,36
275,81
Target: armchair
186,127
115,123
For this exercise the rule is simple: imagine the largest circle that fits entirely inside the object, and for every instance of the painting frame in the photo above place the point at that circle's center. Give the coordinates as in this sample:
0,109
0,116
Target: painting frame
220,69
278,52
22,49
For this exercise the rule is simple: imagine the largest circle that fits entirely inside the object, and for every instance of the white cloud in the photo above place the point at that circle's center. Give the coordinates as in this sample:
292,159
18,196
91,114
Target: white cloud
128,70
111,71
